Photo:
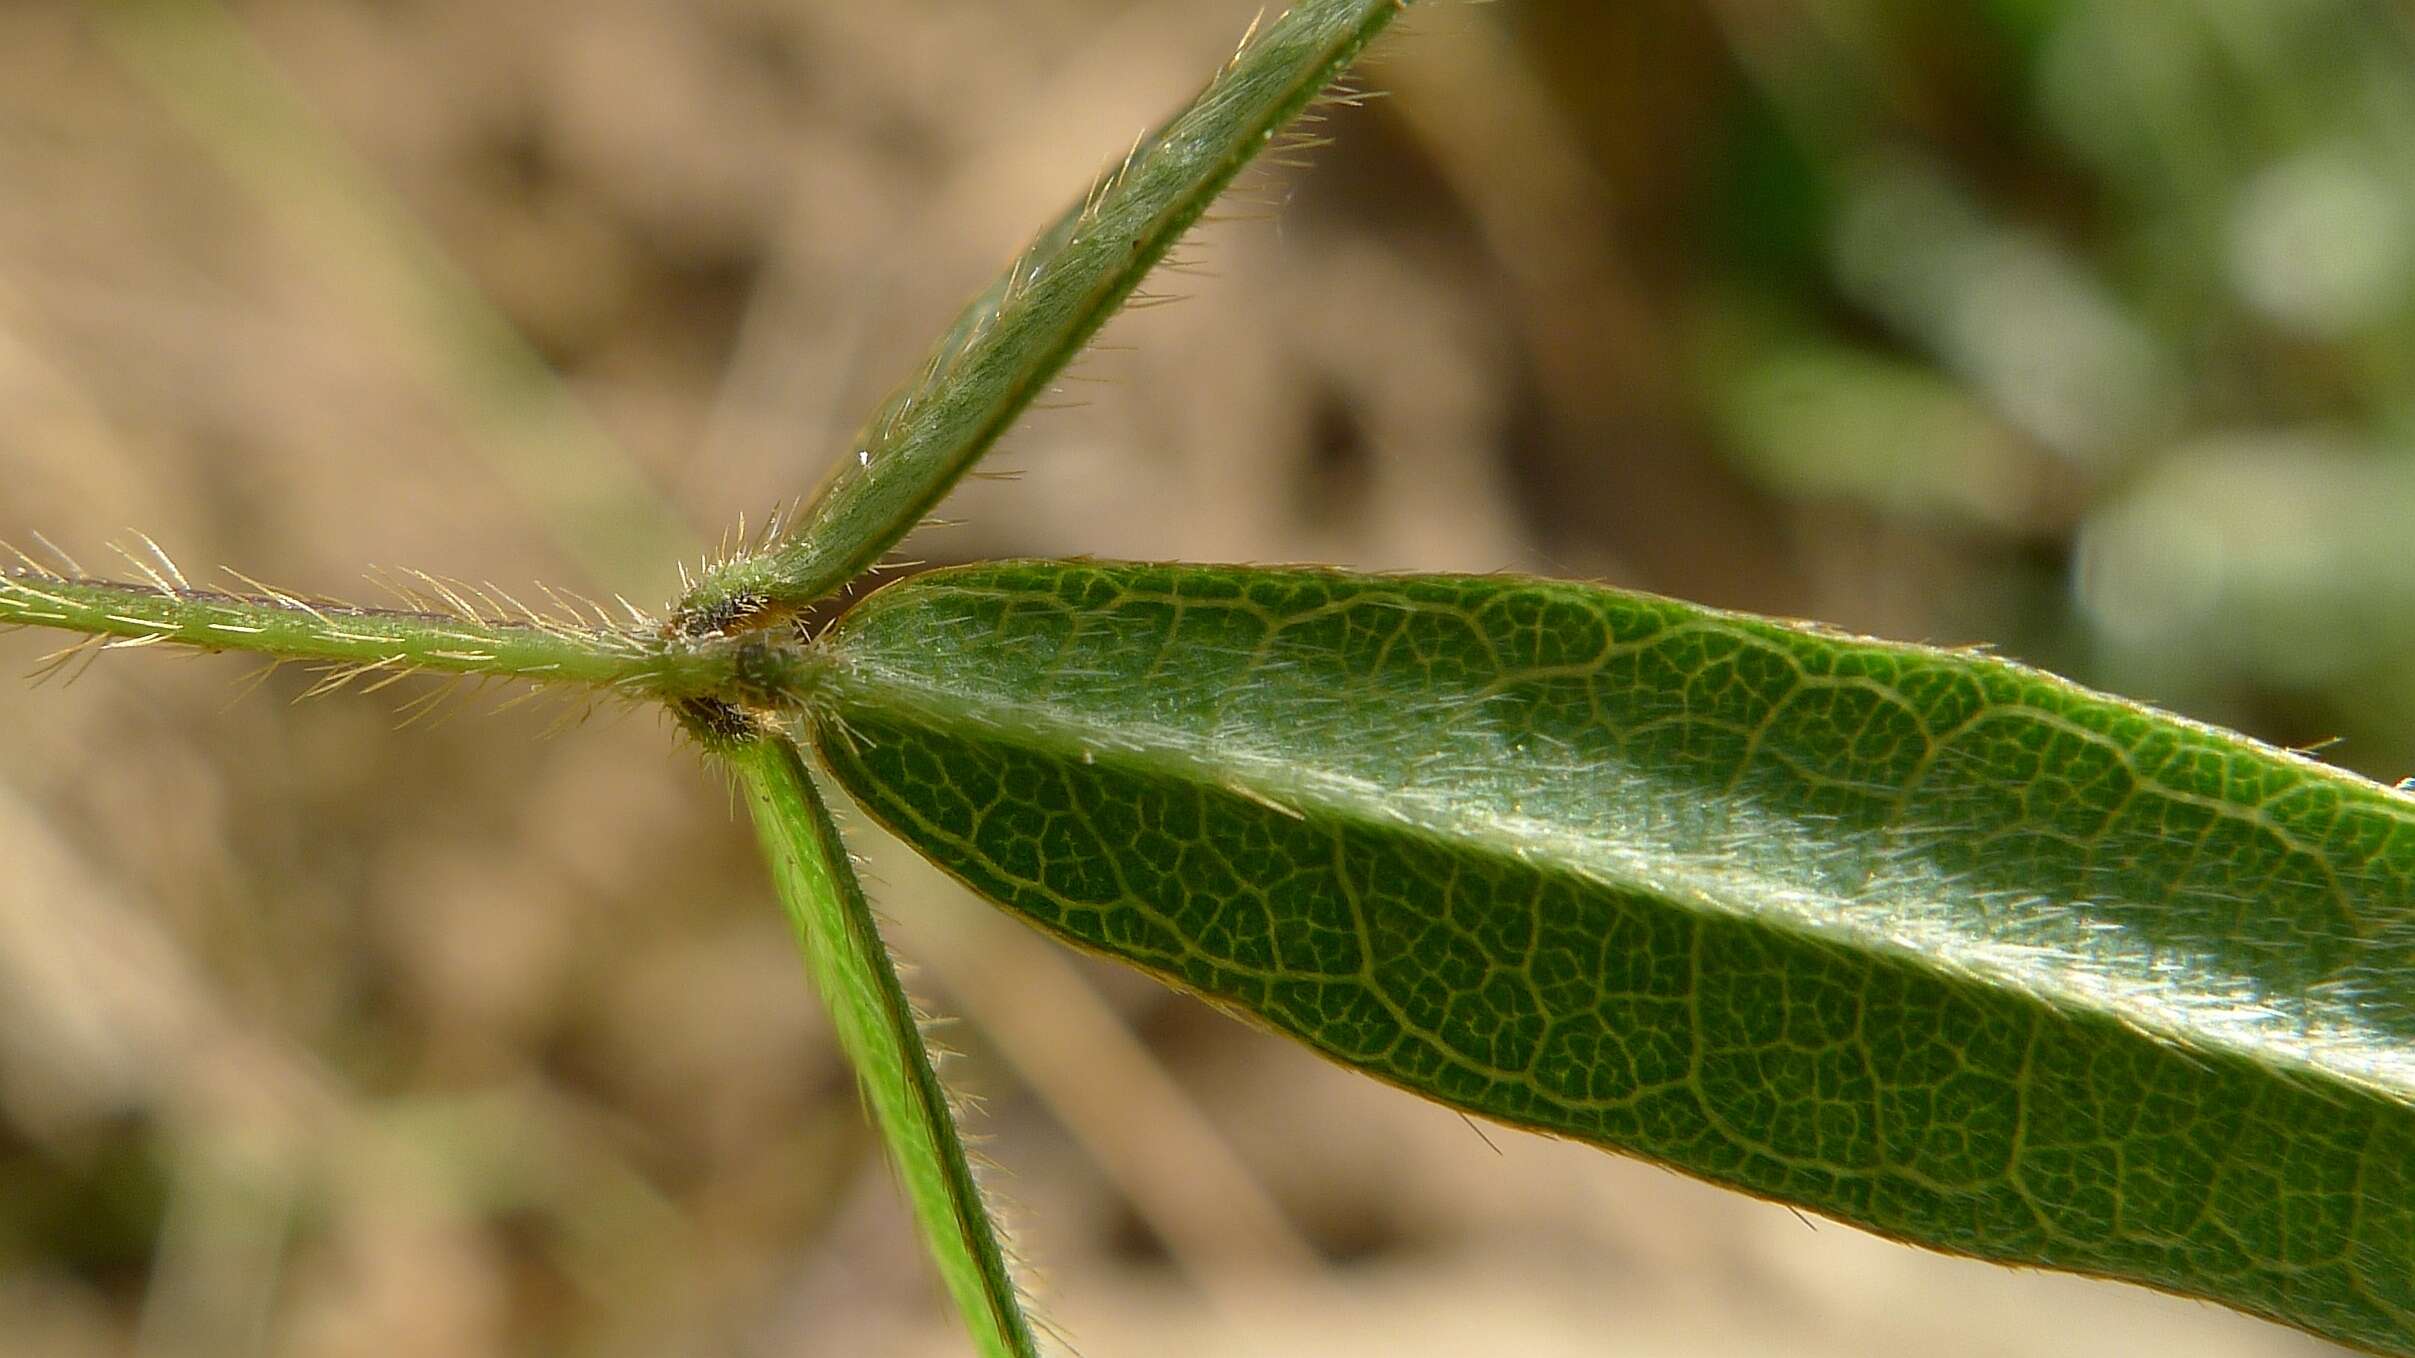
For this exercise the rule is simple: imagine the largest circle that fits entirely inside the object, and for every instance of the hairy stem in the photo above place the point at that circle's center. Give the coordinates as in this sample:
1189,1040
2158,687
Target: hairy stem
1014,339
876,1026
465,630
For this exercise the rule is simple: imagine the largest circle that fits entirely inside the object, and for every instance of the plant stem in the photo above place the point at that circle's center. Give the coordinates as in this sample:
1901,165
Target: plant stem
1014,339
474,632
877,1028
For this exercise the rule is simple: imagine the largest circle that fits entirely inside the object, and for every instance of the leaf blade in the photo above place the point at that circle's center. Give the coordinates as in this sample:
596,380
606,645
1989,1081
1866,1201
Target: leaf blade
1917,938
877,1028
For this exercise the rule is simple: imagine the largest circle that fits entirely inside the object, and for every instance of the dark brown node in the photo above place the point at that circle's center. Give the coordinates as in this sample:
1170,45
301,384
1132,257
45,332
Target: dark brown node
718,725
721,617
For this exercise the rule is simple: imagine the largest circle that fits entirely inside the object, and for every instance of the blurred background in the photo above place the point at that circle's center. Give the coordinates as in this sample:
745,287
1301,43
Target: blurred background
2082,327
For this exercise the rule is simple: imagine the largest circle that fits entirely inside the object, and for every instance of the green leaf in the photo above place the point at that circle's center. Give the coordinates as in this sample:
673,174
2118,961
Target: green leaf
877,1029
1013,340
1917,938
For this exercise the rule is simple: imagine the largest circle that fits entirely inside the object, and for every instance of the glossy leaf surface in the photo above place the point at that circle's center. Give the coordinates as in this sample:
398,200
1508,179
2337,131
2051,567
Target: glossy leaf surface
1920,939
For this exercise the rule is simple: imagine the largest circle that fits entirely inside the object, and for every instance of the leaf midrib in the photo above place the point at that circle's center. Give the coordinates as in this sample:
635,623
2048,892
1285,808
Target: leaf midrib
2236,1026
